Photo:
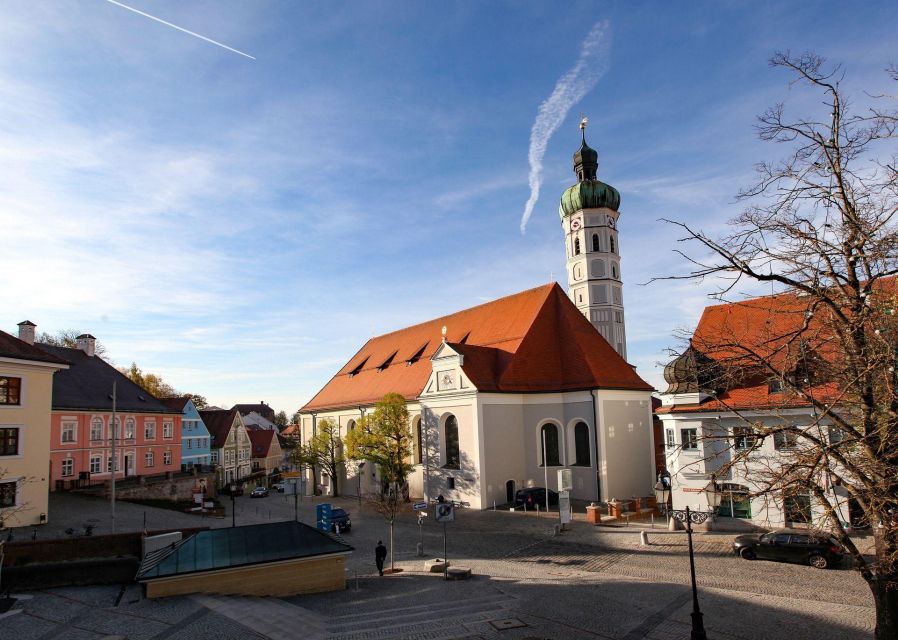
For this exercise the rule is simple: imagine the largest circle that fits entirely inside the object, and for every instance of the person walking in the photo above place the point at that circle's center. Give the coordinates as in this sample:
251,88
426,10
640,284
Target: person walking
380,554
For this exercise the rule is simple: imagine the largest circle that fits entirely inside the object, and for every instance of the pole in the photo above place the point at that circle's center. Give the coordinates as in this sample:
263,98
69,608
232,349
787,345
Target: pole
233,508
698,627
546,470
112,488
425,457
445,555
297,482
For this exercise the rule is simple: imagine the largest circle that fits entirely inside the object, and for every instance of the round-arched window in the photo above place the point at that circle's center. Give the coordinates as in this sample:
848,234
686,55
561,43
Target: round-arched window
453,454
581,444
549,444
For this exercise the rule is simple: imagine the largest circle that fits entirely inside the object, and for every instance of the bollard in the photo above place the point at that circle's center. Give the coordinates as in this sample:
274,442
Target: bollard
420,549
643,539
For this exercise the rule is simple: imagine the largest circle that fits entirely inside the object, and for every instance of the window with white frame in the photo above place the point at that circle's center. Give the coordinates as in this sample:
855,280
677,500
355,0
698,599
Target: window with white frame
214,455
149,459
130,426
69,429
167,430
670,440
689,439
8,491
149,430
68,467
743,438
96,429
118,428
109,464
96,464
9,441
785,440
166,458
189,443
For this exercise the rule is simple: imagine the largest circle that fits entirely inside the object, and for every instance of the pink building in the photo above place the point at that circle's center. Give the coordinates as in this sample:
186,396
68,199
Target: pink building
148,433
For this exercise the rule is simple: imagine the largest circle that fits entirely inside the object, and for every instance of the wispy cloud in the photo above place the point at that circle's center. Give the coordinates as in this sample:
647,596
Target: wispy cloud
569,90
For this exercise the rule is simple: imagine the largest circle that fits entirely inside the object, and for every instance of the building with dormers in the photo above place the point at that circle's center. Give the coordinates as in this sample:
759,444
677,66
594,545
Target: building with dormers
231,450
504,394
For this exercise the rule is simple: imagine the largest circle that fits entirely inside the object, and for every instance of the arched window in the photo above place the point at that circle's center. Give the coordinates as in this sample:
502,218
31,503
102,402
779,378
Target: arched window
350,426
613,270
595,242
581,444
419,451
611,239
576,246
549,438
453,455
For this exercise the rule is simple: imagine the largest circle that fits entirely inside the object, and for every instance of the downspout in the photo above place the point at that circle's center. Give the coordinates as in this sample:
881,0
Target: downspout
595,421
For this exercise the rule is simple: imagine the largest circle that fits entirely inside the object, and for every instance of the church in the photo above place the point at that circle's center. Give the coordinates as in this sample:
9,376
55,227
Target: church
504,394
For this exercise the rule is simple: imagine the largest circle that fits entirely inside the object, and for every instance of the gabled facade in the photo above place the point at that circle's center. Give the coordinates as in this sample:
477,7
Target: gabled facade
147,433
26,393
484,385
255,419
195,438
231,449
267,453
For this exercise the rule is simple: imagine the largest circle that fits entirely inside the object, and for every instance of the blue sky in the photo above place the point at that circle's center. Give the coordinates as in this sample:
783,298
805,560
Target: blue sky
242,226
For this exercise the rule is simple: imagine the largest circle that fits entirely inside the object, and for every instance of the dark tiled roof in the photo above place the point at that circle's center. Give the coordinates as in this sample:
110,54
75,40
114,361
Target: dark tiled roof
175,403
87,385
532,341
262,409
218,422
240,547
12,347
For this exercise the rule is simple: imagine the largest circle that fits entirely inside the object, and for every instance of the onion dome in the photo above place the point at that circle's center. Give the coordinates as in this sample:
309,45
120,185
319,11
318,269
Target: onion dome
589,192
692,372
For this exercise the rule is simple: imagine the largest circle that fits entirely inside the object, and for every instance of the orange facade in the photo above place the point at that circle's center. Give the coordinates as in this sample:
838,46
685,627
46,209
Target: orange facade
81,448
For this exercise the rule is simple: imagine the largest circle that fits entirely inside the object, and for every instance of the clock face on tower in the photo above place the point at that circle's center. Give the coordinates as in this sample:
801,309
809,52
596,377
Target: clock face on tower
611,221
575,224
447,380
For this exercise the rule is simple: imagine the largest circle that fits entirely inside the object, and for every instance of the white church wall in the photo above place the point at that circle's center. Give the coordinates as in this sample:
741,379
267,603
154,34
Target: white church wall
504,450
466,479
627,457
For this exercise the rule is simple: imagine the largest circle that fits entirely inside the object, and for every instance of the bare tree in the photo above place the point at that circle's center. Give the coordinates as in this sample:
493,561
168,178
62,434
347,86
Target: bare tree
324,450
68,338
819,226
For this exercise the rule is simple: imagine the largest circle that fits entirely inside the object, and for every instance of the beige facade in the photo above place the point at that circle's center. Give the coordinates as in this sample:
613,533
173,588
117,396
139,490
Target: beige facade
25,440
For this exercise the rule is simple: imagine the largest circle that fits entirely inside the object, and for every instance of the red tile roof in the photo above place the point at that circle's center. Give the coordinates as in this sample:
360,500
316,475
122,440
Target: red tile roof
219,423
261,441
533,341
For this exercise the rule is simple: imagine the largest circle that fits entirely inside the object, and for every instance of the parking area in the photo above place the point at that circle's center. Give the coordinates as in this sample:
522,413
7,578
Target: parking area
529,583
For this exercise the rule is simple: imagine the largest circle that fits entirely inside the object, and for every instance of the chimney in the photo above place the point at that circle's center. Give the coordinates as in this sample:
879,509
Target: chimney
26,331
87,343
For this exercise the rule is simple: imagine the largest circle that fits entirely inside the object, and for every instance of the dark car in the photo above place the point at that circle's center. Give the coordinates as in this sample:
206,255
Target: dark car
789,545
259,492
532,496
340,521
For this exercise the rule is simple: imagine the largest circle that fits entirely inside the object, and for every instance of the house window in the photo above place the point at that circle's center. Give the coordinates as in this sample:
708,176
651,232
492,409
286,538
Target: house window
9,441
576,246
109,464
189,443
167,430
785,440
130,425
68,431
743,438
8,493
166,458
149,430
581,444
149,459
689,438
10,390
68,467
453,453
614,271
96,429
96,464
595,242
734,501
549,445
419,451
118,428
214,456
670,440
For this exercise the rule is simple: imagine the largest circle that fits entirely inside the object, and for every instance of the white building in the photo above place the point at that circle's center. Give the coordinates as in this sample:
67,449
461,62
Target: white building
712,419
487,385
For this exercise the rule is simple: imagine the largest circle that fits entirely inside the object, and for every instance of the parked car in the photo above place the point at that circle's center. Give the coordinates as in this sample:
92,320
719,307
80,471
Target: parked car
341,518
790,545
278,486
259,492
532,496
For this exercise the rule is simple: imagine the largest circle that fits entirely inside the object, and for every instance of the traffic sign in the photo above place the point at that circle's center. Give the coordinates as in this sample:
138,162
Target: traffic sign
323,517
445,512
419,505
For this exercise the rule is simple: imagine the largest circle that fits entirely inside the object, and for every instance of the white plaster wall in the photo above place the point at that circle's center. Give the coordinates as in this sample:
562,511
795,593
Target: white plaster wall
625,423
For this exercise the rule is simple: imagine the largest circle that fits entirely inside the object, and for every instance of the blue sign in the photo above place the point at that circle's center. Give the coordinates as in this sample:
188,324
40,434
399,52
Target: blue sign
323,516
419,505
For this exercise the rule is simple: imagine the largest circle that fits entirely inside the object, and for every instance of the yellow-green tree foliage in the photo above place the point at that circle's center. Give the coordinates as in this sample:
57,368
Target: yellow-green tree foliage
385,438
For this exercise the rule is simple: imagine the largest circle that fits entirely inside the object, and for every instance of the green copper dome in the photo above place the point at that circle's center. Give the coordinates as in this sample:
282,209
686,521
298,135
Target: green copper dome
589,194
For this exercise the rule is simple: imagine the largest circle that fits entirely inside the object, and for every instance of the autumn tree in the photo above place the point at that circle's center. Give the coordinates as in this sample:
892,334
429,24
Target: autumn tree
150,382
820,226
324,450
384,438
69,338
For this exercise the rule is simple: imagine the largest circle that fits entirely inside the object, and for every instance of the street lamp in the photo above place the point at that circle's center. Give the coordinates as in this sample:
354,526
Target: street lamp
358,476
233,489
687,516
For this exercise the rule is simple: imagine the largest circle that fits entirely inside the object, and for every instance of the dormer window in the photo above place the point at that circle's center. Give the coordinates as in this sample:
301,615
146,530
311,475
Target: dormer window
358,367
417,355
386,363
775,386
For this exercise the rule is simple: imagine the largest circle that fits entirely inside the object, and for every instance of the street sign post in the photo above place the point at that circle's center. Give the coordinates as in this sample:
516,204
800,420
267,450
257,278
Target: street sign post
323,517
418,506
565,480
445,512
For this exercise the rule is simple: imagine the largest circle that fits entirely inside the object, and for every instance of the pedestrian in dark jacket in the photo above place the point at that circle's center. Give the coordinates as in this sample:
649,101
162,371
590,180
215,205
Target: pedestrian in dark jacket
380,554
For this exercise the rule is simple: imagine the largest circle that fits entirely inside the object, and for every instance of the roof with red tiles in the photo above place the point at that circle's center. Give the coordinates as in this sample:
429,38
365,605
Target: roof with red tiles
532,341
261,441
219,423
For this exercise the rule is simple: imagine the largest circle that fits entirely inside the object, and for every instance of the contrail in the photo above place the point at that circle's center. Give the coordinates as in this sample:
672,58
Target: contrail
570,89
174,26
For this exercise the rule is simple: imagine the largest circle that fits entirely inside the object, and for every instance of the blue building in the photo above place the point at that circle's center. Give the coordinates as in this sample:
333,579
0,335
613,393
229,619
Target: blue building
195,439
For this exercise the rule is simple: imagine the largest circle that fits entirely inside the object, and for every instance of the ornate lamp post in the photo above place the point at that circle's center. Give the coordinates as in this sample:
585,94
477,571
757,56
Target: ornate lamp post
687,516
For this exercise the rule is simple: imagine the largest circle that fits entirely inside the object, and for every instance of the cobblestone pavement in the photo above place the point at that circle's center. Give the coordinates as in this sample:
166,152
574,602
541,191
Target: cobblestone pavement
586,583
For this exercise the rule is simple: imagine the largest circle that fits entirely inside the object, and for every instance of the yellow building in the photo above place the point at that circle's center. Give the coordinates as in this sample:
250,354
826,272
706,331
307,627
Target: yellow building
26,394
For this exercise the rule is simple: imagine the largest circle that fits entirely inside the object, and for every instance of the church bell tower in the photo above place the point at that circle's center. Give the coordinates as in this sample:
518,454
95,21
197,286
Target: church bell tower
589,218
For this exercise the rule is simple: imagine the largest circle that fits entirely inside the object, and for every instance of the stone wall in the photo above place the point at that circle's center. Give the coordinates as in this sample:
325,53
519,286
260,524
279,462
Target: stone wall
177,487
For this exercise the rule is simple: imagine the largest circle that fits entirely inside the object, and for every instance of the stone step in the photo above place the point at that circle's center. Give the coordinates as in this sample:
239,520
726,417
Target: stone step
483,600
270,617
436,629
438,615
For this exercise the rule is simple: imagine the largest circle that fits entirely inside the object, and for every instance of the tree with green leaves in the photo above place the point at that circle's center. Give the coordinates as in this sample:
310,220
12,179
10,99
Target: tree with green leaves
384,438
280,419
324,450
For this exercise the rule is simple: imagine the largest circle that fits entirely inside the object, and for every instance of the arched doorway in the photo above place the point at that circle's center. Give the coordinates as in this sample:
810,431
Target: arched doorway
509,491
